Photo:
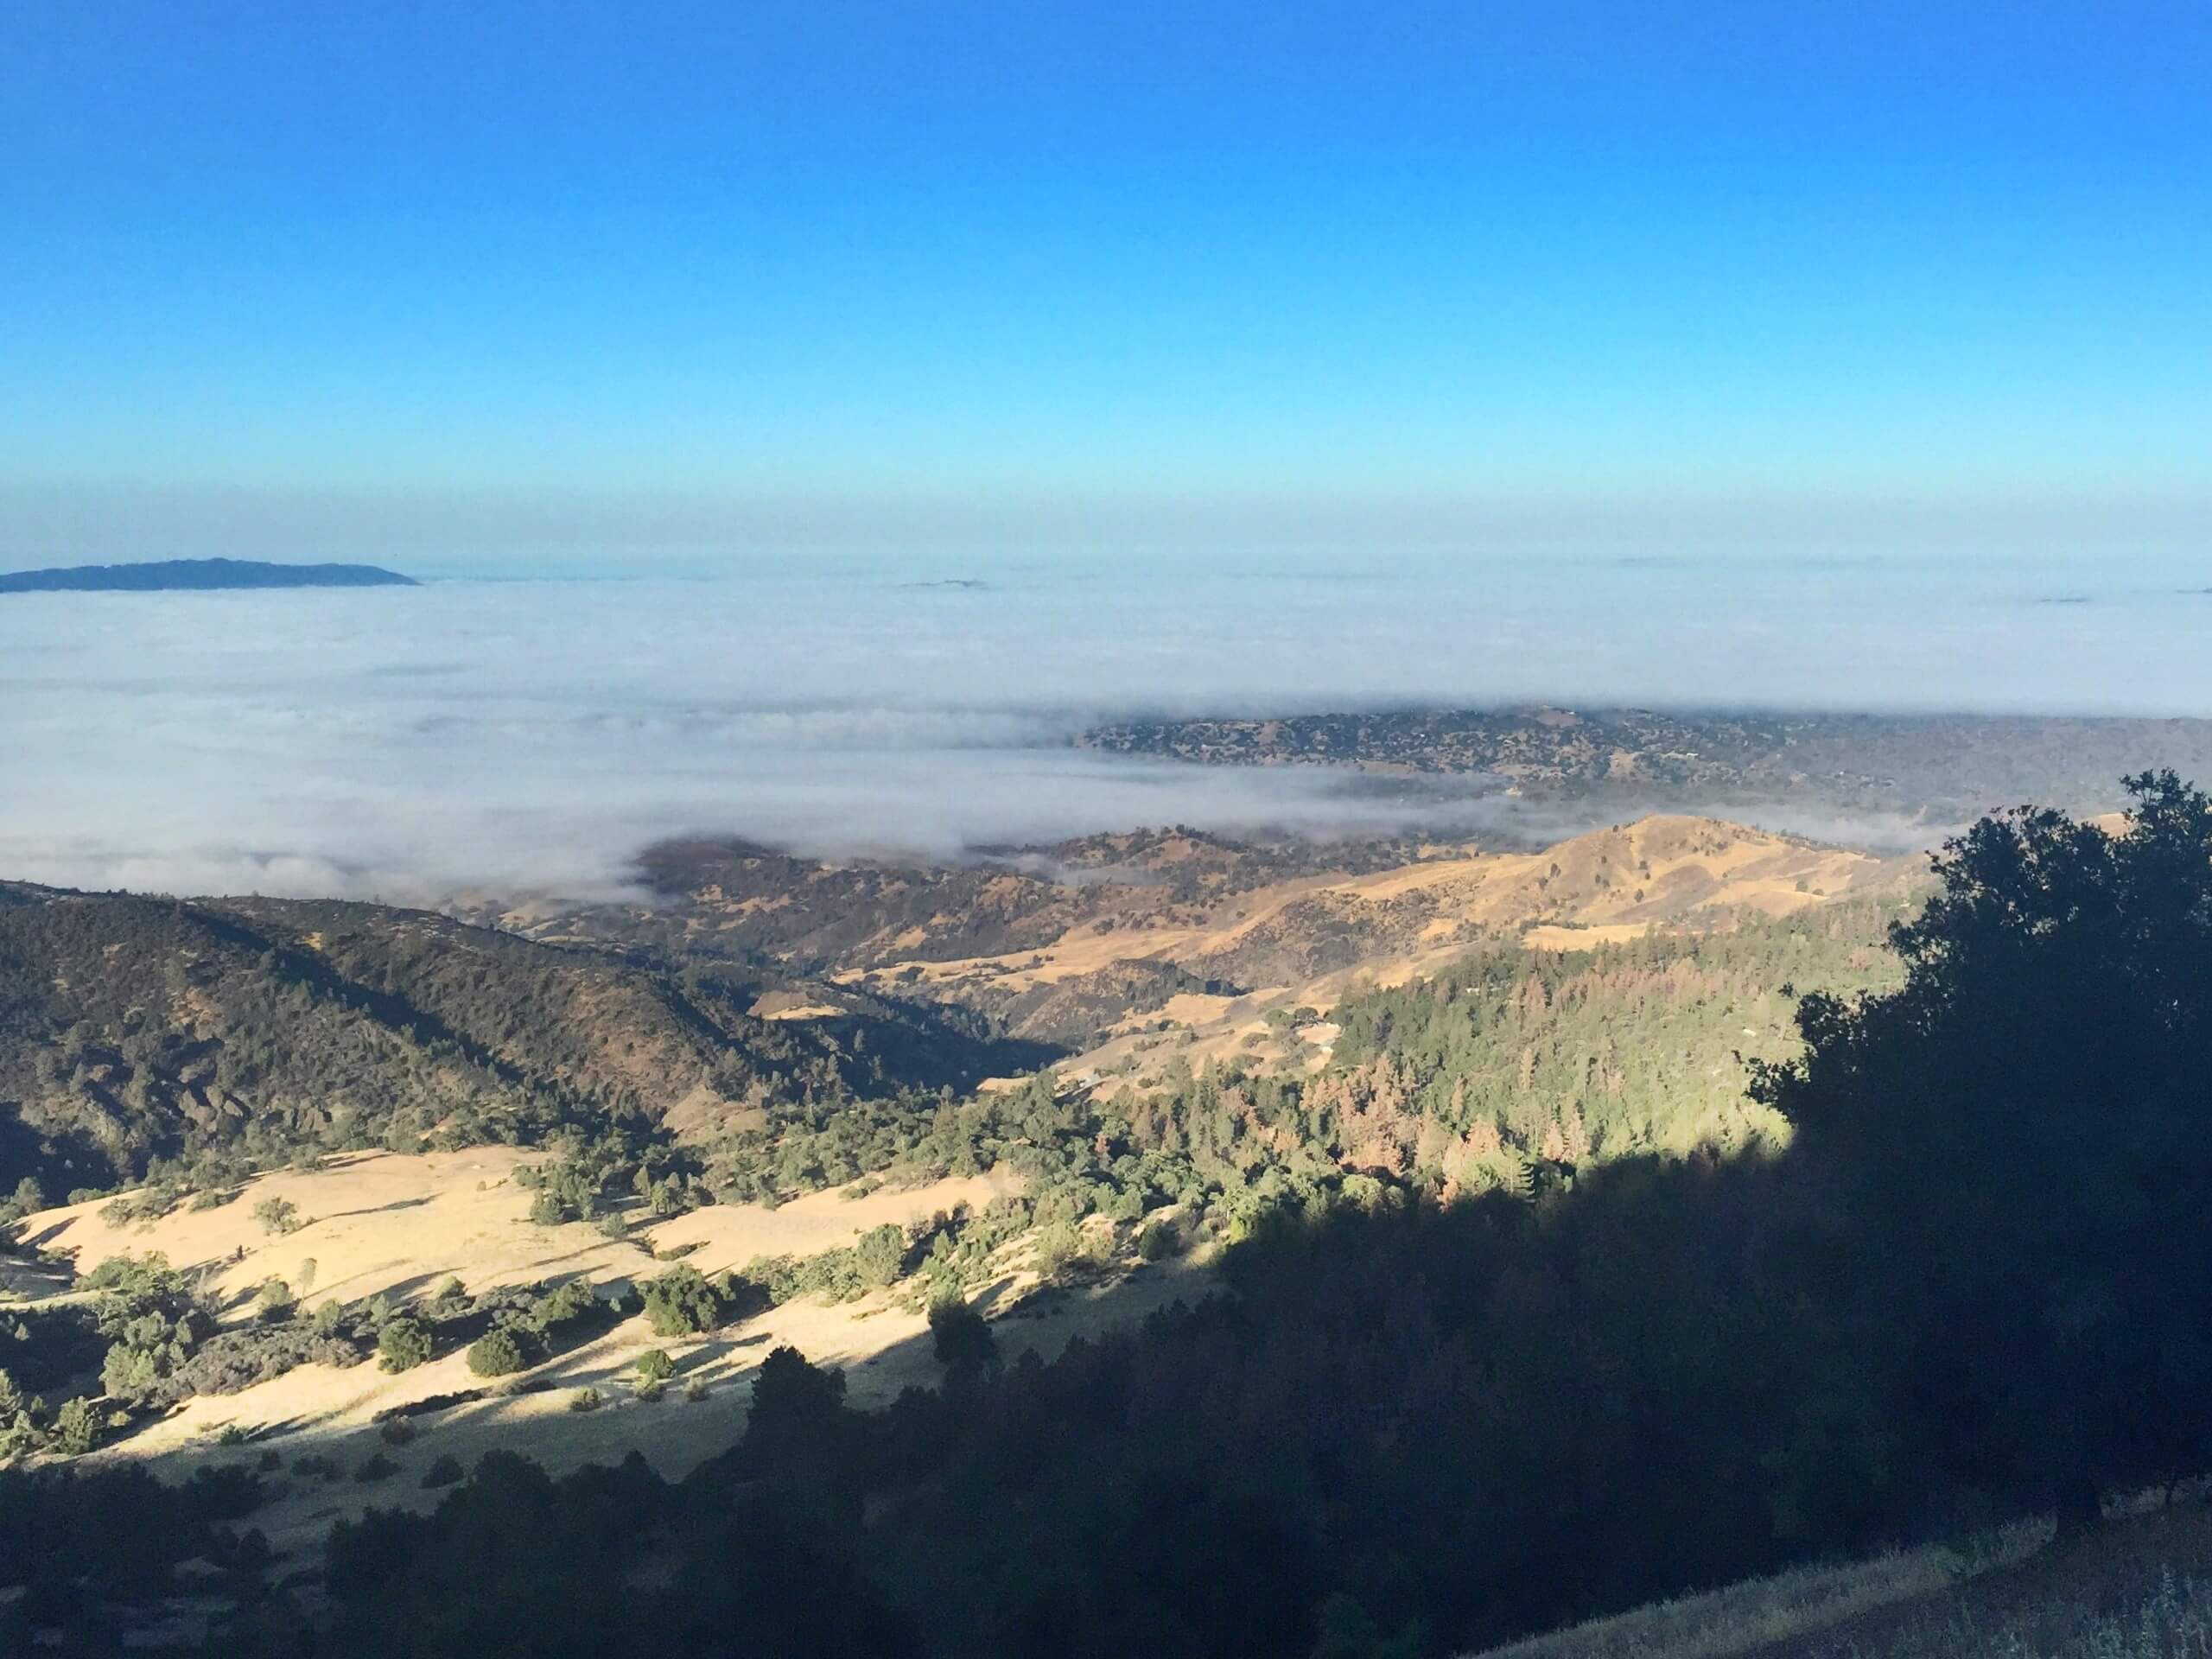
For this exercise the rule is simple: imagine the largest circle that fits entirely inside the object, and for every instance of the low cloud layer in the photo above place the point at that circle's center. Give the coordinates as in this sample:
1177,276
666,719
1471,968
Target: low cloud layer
533,736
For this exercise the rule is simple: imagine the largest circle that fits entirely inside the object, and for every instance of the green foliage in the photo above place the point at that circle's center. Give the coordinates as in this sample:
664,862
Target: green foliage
152,1320
879,1255
683,1302
404,1342
498,1353
29,1197
586,1399
655,1366
278,1217
76,1430
565,1304
2017,1144
1159,1240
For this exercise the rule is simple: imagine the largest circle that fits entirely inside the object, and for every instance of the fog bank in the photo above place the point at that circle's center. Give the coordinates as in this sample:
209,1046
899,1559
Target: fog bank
532,735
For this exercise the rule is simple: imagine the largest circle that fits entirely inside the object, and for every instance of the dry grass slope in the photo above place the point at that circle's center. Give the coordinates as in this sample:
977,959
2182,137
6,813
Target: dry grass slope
2141,1589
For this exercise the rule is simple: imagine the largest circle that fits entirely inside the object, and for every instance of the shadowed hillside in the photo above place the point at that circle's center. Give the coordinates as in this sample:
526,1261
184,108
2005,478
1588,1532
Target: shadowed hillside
134,1029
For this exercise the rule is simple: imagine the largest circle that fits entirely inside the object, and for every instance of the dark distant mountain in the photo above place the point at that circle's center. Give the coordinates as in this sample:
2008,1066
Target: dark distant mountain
160,574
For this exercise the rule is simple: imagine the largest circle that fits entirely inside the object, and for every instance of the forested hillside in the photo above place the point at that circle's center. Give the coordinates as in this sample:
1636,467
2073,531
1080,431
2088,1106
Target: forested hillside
141,1034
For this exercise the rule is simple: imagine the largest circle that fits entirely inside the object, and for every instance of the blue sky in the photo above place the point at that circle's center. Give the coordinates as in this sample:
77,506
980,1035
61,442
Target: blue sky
423,259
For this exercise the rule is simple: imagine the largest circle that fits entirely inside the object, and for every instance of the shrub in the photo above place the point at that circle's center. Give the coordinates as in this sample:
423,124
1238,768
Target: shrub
563,1305
1159,1240
278,1217
129,1372
696,1390
880,1255
404,1344
375,1467
1056,1246
277,1301
396,1430
29,1198
76,1431
496,1353
655,1366
446,1472
682,1302
586,1399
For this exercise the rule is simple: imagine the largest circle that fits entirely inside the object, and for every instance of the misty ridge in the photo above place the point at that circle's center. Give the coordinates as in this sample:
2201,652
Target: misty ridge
534,736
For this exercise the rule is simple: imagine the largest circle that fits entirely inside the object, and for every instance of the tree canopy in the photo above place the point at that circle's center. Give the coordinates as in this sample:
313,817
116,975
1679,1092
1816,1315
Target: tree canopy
2017,1143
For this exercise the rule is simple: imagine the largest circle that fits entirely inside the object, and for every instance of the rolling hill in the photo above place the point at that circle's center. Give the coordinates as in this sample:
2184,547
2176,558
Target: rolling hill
135,1030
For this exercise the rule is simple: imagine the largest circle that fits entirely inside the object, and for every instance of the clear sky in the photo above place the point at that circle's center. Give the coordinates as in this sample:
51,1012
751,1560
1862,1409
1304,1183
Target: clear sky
1060,258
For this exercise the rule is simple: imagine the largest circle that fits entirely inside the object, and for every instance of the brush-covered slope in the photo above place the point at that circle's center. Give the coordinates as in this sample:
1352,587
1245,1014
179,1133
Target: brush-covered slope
135,1028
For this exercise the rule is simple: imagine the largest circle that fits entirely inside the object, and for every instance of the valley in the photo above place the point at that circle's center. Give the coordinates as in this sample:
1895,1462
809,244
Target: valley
362,1200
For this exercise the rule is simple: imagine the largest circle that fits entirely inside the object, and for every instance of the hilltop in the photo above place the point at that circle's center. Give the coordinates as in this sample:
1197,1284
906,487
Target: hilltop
162,575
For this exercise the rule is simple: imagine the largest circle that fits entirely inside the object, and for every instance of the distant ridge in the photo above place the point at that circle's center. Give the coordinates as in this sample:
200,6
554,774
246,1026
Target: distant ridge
160,574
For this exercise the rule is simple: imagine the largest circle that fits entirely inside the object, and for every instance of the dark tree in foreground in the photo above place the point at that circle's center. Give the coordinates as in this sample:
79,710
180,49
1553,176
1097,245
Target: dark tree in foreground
963,1339
2018,1143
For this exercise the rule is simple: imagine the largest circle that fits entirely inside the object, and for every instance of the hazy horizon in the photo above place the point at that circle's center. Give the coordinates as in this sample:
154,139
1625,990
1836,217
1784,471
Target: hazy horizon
1253,358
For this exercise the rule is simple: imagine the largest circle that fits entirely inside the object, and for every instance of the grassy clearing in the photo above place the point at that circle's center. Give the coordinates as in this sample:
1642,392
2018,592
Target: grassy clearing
2172,1620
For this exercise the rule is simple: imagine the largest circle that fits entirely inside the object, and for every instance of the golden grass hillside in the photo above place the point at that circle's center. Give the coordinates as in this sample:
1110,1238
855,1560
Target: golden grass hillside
1308,942
381,1223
